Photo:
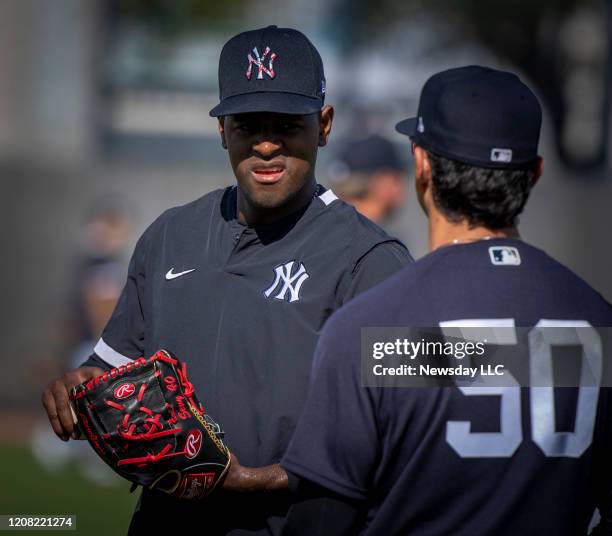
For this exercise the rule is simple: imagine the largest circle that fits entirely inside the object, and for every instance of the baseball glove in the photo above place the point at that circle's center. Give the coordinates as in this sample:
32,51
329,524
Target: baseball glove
144,420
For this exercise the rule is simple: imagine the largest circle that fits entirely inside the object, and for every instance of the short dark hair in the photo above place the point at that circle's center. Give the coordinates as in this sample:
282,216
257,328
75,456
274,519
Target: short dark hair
483,196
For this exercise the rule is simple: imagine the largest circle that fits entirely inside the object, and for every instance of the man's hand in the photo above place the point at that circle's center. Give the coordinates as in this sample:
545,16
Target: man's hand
241,479
55,400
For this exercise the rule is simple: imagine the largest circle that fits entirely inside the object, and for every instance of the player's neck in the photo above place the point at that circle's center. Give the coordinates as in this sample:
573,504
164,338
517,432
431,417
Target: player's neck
444,233
252,215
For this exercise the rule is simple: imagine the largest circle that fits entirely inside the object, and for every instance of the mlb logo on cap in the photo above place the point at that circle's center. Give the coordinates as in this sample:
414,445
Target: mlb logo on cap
501,155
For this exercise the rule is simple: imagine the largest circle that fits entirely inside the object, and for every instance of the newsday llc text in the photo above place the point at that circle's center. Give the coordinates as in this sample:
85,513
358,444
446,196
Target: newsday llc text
427,348
488,355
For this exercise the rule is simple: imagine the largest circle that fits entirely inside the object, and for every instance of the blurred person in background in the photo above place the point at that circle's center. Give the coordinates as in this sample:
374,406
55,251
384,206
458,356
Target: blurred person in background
99,275
96,285
369,174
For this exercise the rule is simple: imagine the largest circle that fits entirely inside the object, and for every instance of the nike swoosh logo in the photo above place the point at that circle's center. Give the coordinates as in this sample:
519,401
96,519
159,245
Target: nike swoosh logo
171,275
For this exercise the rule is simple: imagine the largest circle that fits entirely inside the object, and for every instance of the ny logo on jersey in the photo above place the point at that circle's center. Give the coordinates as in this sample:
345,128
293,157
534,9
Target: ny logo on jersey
288,285
259,62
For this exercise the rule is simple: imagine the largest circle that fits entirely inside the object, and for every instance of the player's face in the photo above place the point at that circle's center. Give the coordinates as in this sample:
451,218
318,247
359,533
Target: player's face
273,156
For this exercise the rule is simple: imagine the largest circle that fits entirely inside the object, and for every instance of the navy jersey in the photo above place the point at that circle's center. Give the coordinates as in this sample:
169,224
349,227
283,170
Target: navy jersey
441,460
243,307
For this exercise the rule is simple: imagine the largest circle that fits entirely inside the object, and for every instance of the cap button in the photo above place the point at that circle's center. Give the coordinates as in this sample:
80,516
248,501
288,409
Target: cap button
273,26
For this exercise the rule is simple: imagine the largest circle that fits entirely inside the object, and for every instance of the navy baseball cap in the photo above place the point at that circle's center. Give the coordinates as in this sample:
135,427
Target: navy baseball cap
365,156
477,115
371,154
270,70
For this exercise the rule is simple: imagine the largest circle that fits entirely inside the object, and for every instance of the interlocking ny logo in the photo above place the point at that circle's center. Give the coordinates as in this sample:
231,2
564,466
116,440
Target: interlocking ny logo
259,62
286,282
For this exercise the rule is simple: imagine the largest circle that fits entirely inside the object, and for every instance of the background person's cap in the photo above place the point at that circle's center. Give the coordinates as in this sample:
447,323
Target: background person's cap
270,70
477,115
365,156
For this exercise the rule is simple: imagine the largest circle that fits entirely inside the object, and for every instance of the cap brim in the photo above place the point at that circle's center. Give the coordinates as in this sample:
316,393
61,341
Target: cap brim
407,126
275,102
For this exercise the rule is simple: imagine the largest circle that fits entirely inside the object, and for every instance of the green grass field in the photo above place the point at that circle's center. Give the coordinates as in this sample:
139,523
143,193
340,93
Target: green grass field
26,489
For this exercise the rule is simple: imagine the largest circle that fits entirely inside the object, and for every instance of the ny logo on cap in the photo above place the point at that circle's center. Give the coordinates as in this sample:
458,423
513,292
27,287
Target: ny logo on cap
259,61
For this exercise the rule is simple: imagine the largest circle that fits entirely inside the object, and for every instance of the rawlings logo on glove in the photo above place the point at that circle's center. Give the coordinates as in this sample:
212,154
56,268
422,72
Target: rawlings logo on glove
144,421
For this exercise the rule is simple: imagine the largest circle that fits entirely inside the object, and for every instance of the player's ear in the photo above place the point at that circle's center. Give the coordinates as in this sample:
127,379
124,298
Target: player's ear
326,117
221,127
422,167
538,171
422,175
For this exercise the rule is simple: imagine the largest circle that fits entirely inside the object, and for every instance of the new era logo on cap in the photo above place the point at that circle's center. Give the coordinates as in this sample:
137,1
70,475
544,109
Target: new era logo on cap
270,70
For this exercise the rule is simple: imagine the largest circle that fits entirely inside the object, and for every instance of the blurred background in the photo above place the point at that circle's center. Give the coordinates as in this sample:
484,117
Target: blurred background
104,124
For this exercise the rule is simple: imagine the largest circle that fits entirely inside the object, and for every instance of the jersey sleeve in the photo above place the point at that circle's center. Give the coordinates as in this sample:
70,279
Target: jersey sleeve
383,260
123,337
94,361
316,511
335,444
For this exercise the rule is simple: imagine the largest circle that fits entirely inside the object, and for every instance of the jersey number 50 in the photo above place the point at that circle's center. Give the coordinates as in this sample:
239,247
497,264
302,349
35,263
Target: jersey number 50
541,394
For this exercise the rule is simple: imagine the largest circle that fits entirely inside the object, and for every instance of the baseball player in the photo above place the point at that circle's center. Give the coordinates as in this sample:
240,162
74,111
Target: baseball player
240,282
468,459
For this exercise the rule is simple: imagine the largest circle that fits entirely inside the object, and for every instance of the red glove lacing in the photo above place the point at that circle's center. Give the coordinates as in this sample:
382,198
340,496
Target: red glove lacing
153,428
